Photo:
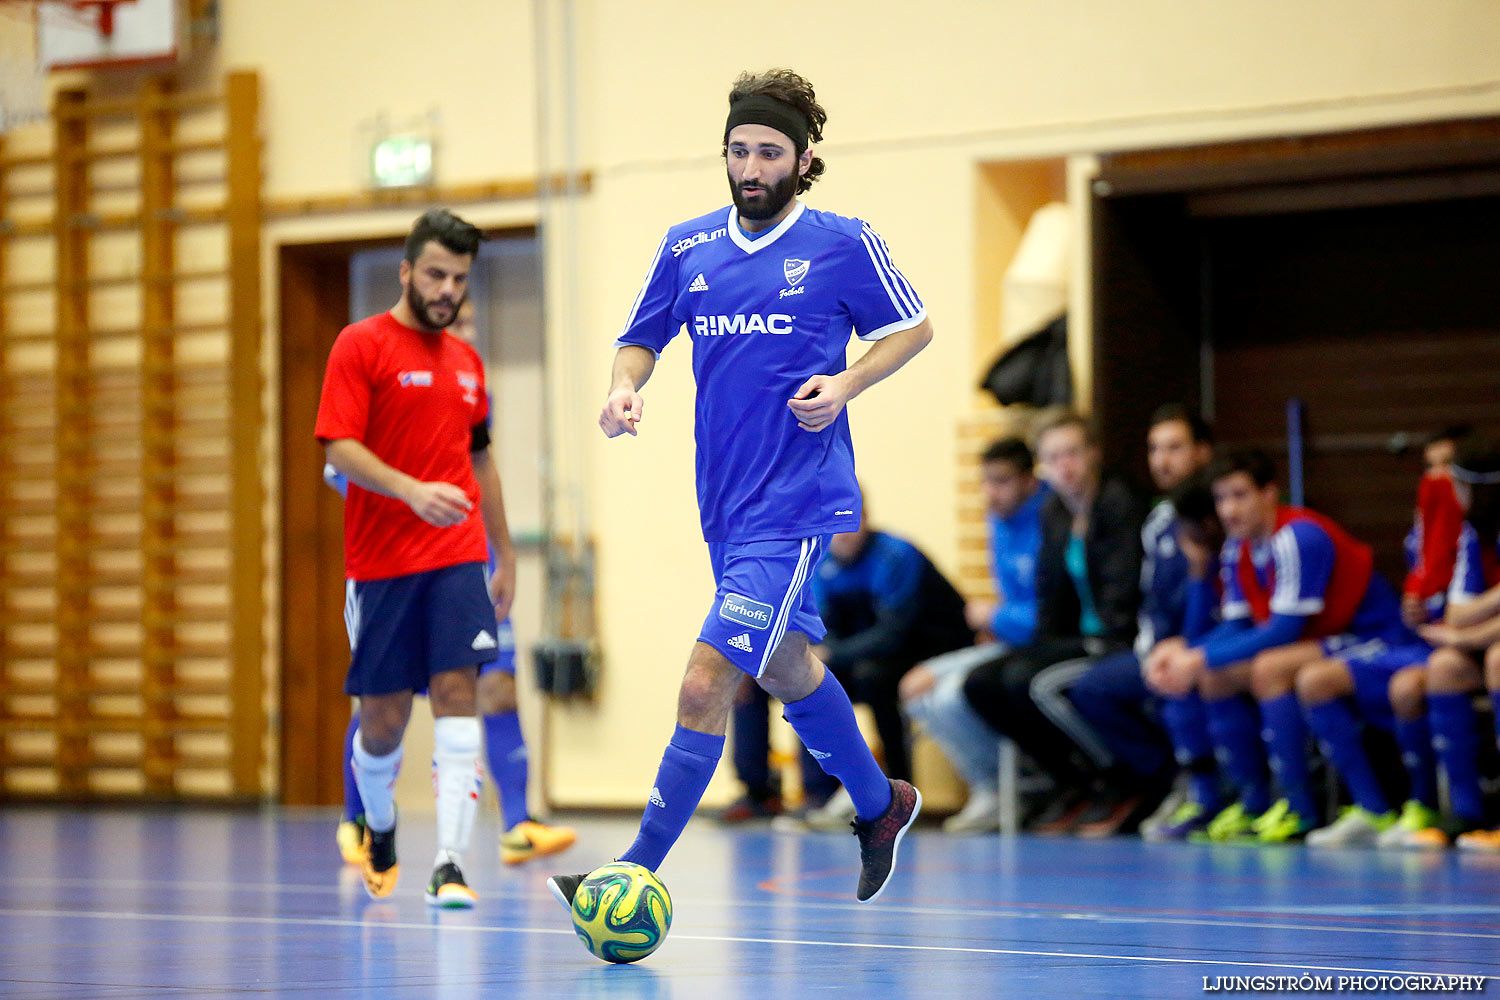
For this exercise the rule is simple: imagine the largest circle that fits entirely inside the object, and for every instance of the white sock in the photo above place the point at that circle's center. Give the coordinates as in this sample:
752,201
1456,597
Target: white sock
376,779
455,781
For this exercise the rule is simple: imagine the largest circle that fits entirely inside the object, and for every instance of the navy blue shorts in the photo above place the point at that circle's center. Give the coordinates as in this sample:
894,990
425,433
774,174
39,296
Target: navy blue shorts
764,588
405,629
1372,664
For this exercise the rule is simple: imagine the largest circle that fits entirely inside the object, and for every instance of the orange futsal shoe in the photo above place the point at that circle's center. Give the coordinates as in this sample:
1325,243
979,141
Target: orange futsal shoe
351,840
529,839
380,867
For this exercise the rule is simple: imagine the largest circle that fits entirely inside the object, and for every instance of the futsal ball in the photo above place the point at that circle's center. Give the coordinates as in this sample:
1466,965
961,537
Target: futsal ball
622,912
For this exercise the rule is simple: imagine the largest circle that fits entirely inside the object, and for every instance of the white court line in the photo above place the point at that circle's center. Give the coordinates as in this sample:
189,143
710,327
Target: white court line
968,913
869,945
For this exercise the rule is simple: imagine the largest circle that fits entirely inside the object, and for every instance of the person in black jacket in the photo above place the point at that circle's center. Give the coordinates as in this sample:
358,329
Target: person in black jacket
1088,591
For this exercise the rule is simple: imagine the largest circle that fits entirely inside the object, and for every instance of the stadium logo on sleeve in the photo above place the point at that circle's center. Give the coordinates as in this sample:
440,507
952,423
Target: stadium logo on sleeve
687,243
414,378
743,611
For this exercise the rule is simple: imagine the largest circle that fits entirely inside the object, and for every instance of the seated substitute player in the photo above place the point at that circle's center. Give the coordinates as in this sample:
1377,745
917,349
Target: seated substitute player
1111,694
1297,588
769,291
504,744
1088,582
932,693
403,418
1432,543
1467,658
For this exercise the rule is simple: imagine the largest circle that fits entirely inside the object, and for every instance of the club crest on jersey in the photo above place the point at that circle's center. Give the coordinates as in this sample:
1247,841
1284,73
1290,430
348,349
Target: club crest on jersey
795,270
743,611
414,378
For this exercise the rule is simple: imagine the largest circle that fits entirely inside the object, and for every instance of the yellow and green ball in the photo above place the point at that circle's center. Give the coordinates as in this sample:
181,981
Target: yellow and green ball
622,912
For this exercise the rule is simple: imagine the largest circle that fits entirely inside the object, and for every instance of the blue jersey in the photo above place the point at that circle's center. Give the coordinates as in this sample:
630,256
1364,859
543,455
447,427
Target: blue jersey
1014,544
766,313
1470,578
1164,580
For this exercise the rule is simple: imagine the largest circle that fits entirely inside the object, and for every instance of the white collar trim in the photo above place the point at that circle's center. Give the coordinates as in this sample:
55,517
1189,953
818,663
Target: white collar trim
748,245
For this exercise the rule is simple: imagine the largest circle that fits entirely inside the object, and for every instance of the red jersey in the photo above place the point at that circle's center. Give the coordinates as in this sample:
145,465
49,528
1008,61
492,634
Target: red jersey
413,399
1348,578
1434,538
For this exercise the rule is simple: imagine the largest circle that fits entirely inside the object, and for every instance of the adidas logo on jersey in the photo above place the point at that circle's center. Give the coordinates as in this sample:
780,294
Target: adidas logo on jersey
483,641
656,799
742,641
698,285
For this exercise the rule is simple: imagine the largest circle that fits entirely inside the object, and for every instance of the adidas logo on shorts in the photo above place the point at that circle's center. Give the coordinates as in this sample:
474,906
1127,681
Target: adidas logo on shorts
656,799
742,641
483,641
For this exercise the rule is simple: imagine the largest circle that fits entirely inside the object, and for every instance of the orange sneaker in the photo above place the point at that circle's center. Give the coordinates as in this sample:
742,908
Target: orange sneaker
380,867
529,839
1480,840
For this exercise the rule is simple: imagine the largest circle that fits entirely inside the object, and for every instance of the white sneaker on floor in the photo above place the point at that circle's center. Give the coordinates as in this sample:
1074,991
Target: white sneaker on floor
835,814
981,814
1356,827
1151,826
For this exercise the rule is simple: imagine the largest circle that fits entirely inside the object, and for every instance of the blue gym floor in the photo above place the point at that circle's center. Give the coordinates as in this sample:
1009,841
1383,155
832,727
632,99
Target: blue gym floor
125,903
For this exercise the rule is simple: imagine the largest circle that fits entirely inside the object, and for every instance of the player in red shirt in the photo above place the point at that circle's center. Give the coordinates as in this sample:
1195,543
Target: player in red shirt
403,418
1432,544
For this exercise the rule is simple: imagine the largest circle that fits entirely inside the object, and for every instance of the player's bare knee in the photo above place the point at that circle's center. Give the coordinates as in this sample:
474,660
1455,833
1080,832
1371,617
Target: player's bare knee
1272,676
496,693
452,692
708,689
1492,668
1408,692
1450,671
1323,681
1217,684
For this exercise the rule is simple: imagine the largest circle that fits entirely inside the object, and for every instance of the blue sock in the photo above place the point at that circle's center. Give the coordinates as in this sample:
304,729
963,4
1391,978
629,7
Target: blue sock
505,750
1286,745
1187,727
353,805
1414,737
1235,726
1342,737
824,721
1455,737
686,767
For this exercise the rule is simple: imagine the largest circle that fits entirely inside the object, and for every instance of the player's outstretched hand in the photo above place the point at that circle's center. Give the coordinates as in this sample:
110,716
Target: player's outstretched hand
441,505
622,411
819,401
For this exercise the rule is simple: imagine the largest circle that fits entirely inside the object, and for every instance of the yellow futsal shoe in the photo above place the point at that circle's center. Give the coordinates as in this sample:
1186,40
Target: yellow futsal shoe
351,840
380,867
529,839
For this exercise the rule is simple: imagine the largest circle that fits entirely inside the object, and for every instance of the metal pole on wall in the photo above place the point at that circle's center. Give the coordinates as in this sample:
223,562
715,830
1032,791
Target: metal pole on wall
1296,412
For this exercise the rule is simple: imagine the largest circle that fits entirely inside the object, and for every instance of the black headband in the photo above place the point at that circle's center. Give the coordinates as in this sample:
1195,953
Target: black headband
761,109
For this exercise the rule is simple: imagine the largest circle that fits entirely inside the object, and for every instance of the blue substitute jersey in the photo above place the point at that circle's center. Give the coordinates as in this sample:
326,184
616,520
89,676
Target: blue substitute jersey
1303,556
765,313
1469,579
1164,580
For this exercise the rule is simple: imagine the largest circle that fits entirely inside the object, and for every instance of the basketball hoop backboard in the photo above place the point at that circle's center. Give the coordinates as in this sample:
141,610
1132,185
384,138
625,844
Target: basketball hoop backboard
98,34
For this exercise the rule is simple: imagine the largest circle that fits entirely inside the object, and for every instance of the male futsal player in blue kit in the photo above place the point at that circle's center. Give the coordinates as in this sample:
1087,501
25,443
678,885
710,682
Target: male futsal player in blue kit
770,291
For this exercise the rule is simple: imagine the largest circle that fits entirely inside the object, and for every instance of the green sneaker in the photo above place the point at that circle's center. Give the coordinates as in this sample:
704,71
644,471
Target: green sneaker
1279,824
1231,823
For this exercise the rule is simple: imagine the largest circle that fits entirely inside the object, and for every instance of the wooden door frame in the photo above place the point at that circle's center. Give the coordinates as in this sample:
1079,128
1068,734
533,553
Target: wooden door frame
314,294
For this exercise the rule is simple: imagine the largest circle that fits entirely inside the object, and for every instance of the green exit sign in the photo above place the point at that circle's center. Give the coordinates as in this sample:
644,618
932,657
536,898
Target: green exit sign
401,161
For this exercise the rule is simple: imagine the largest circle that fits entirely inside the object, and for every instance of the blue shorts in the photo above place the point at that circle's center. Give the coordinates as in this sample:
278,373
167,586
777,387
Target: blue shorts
764,589
405,629
1373,663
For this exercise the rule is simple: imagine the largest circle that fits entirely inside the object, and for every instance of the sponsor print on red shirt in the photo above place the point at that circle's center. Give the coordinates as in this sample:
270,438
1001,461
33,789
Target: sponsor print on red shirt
413,399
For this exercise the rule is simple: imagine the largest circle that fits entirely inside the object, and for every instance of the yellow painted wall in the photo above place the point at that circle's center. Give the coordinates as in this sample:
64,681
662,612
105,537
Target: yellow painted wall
920,96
